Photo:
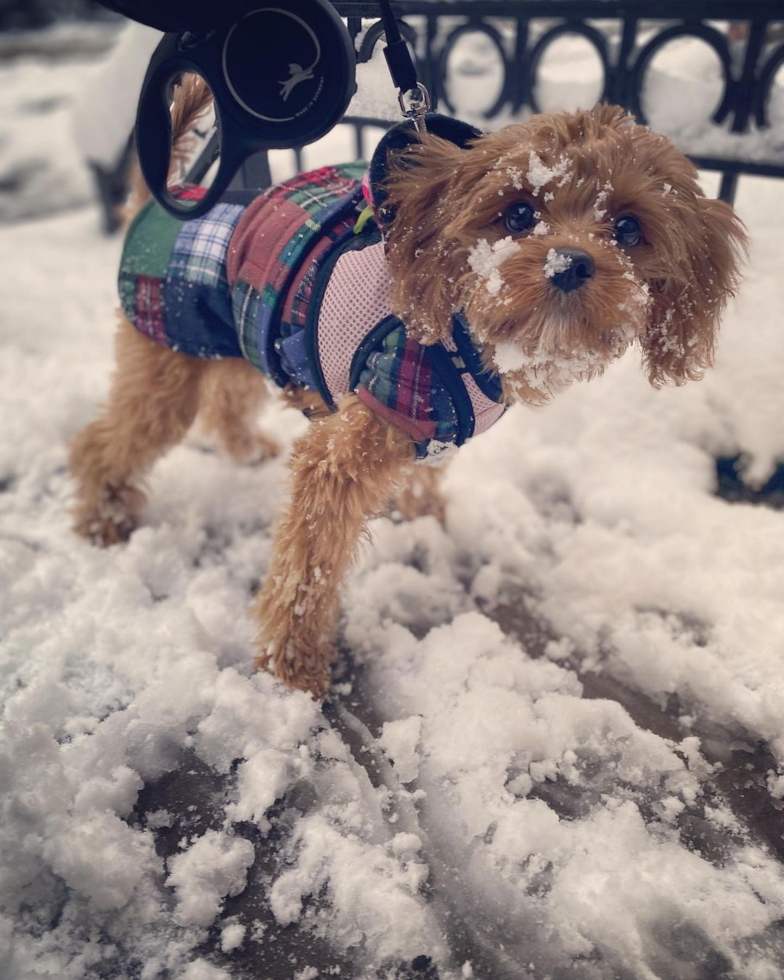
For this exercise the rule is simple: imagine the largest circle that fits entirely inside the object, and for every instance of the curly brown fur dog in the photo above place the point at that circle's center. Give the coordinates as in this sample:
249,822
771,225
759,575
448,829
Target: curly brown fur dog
560,241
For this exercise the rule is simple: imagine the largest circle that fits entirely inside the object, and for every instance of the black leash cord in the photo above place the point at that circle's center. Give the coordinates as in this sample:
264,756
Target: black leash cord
401,65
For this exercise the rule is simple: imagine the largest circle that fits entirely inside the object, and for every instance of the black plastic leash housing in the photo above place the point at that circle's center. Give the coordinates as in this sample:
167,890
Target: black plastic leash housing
280,77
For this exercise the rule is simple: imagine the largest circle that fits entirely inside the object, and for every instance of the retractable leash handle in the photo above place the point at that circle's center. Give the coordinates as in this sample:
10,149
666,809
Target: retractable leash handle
280,75
154,129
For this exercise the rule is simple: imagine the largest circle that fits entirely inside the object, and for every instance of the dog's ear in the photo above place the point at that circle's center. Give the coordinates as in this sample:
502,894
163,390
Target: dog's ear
686,309
419,193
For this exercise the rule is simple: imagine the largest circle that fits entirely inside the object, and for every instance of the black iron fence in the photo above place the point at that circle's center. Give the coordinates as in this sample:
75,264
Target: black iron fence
747,37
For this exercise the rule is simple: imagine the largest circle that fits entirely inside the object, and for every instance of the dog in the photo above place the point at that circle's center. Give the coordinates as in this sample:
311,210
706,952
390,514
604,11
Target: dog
473,271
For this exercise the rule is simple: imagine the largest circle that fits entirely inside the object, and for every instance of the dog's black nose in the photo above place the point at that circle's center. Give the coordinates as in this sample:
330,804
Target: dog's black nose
580,269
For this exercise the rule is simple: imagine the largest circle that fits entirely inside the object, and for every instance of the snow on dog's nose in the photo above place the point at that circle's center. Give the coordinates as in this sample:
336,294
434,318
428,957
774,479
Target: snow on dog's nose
569,268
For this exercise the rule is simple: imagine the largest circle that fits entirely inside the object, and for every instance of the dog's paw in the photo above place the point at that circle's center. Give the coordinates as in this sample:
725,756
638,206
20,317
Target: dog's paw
112,518
307,673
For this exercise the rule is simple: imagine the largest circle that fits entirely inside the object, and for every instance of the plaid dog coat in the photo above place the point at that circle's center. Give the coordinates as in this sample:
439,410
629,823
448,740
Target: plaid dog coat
283,281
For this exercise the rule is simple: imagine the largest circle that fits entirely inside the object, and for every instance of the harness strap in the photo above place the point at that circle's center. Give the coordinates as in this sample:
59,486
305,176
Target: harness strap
449,375
487,381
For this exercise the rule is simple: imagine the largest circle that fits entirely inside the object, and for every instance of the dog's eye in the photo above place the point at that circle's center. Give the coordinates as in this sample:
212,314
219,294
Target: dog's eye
519,216
628,231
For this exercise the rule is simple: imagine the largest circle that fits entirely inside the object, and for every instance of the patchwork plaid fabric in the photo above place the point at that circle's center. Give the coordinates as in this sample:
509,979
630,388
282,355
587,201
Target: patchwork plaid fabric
283,241
199,253
401,383
173,284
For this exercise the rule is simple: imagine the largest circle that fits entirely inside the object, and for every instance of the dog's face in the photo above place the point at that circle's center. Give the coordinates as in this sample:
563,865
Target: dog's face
563,240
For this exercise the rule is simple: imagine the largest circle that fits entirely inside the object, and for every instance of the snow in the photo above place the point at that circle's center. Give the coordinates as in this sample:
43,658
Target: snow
509,357
556,262
548,369
542,714
485,260
39,180
100,124
213,867
540,175
400,740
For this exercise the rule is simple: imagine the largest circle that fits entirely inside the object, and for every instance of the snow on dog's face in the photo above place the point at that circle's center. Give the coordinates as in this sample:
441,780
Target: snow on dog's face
563,241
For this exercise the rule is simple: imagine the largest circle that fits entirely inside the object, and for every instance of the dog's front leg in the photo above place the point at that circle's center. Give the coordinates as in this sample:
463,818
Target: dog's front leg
344,469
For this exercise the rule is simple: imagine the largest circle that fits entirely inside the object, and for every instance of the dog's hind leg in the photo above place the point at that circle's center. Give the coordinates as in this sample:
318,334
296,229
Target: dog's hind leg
152,404
233,393
344,470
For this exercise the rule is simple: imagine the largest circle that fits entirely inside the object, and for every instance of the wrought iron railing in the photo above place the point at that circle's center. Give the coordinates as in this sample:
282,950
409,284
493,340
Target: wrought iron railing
626,35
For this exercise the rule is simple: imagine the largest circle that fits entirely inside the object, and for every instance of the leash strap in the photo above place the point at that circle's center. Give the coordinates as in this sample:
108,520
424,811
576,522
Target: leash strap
413,97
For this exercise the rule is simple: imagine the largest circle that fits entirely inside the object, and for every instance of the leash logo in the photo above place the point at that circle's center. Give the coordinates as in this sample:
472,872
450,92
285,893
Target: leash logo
298,74
255,41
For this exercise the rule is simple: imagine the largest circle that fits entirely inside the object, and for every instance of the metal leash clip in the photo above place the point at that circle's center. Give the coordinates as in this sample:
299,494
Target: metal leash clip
413,98
414,104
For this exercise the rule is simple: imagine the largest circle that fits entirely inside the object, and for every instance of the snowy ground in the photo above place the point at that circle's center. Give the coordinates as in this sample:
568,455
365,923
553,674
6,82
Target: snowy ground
555,747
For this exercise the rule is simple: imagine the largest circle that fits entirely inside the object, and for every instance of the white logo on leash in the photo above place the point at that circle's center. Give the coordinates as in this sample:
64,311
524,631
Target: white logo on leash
298,74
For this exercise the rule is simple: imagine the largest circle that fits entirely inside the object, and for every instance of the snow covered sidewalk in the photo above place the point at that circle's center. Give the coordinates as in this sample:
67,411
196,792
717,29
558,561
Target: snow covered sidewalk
556,739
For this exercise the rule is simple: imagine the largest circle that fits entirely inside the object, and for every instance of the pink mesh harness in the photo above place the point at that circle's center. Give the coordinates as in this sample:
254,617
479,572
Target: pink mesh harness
355,302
